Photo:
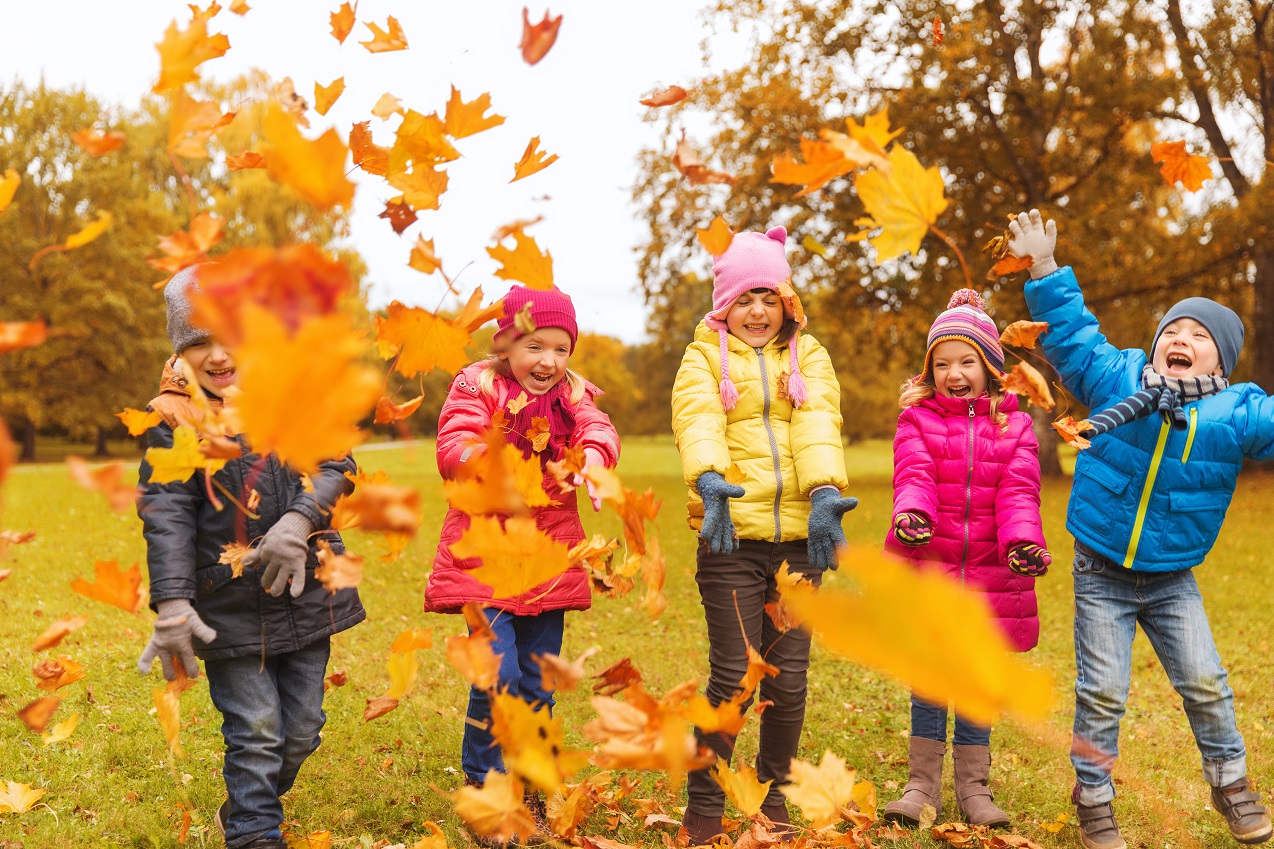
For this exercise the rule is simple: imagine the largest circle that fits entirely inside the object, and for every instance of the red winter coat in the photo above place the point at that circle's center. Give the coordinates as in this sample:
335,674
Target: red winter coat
981,490
465,417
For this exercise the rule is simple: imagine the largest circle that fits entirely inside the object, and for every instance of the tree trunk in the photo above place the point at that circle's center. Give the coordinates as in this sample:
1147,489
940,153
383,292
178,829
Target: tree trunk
1261,354
102,449
1050,464
28,442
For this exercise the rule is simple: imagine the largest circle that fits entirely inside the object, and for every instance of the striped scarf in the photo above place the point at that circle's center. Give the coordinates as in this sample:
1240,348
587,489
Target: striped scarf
1166,395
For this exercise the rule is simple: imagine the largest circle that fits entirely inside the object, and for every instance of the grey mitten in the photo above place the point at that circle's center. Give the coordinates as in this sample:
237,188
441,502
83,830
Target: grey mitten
177,623
718,529
1031,236
825,534
282,553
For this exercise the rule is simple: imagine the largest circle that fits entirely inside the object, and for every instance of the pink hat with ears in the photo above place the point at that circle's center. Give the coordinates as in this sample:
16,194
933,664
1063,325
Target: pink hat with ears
753,261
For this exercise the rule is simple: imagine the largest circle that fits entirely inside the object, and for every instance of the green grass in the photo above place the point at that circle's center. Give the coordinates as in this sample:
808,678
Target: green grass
113,784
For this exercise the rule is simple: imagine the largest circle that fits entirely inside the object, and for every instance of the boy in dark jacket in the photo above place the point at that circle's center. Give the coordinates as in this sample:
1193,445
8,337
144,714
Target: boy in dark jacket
265,636
1169,435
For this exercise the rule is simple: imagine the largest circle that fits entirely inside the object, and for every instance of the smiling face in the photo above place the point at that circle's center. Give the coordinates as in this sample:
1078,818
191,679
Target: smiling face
212,364
538,360
958,370
1185,349
756,317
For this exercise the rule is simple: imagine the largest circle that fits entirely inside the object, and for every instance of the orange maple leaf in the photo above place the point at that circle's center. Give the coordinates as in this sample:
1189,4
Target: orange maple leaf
342,21
515,558
423,257
138,421
685,160
185,248
245,160
8,187
240,7
474,314
471,653
823,162
168,715
503,482
191,123
1009,265
516,405
672,94
1023,333
399,214
316,169
181,51
371,157
538,38
538,433
1178,165
1025,379
1070,430
716,237
558,673
412,639
388,412
15,335
505,231
494,809
524,263
420,340
115,481
114,586
466,119
326,95
57,632
532,160
422,187
53,675
98,143
37,714
387,105
381,507
385,40
338,571
937,32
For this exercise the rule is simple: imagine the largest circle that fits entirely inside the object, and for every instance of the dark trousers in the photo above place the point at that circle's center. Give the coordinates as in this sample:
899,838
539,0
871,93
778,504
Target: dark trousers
734,589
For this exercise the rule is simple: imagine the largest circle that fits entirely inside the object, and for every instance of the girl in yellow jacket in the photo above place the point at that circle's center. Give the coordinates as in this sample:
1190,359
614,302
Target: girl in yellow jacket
752,391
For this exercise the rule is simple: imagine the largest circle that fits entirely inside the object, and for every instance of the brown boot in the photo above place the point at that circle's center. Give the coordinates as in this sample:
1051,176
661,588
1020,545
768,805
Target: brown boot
699,829
924,781
972,772
1244,814
779,818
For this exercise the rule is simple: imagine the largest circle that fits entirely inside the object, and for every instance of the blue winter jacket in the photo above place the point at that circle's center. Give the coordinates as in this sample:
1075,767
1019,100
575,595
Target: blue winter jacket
1146,496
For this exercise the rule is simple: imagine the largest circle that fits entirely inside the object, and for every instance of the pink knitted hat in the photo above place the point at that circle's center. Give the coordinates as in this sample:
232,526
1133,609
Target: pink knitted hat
549,308
754,261
965,319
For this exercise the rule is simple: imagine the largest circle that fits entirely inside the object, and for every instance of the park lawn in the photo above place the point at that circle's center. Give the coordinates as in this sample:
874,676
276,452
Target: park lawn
113,783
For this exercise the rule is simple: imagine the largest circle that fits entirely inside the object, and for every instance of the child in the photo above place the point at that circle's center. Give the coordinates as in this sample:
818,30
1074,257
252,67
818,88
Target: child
265,650
534,364
967,501
753,392
1170,434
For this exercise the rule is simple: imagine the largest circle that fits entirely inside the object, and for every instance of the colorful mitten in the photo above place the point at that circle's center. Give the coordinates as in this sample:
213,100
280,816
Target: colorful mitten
1027,558
912,528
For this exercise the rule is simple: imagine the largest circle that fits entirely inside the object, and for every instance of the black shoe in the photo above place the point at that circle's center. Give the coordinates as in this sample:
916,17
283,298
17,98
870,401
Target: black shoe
219,818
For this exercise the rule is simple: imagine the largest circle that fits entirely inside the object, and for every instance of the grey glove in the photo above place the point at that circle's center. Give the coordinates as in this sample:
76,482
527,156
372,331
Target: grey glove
1030,236
718,529
177,623
825,534
282,554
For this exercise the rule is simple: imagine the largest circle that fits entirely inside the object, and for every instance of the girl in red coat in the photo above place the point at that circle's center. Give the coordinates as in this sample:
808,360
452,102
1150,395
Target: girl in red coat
534,364
966,500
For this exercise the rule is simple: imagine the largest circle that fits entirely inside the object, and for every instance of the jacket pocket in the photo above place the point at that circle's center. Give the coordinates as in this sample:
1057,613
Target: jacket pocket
213,579
1098,507
1195,518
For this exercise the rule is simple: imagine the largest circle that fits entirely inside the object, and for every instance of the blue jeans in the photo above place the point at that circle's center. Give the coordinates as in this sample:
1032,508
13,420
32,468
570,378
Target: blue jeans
516,639
271,716
1110,602
930,722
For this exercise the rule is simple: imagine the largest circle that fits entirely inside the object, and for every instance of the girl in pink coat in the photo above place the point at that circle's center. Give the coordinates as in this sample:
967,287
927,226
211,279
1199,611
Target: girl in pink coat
967,501
534,365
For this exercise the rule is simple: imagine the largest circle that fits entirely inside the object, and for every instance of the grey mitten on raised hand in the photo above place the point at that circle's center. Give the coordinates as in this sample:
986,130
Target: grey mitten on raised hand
281,554
718,528
1030,236
171,639
825,533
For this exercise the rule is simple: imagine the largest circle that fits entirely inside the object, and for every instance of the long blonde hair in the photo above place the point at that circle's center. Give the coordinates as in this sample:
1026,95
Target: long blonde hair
913,391
494,365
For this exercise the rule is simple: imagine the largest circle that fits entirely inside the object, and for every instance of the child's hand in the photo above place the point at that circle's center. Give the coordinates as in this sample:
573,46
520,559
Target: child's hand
1027,558
912,529
593,457
718,528
177,623
1030,236
825,534
282,554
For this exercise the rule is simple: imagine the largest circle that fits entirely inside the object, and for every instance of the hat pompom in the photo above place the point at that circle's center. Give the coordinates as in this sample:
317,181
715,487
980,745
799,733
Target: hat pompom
796,391
966,296
729,394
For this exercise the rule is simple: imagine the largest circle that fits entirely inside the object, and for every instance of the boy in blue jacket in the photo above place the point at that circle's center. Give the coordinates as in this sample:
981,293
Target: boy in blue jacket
1169,436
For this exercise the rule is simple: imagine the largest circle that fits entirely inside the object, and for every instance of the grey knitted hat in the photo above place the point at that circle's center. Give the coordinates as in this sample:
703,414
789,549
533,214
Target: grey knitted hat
181,332
1222,322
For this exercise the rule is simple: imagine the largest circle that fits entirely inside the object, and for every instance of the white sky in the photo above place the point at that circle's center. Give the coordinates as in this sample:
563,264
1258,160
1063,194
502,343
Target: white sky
581,100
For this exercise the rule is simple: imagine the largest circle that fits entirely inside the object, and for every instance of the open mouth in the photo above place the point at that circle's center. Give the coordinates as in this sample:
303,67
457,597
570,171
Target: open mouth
959,391
221,376
1177,361
756,329
541,380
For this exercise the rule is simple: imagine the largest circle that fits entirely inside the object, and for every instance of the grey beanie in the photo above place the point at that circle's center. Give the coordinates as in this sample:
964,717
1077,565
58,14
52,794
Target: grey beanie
1222,322
181,332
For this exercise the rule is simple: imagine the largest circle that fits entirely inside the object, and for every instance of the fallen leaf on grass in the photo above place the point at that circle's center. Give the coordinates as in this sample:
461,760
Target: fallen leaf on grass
62,730
18,798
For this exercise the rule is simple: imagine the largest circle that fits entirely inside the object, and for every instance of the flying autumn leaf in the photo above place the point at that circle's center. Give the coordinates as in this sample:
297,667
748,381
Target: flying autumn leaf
111,585
742,787
316,169
62,730
532,160
79,239
386,106
178,463
421,340
672,94
524,263
381,507
1023,333
18,798
823,162
293,104
821,791
139,421
903,203
191,123
647,733
58,631
617,677
15,335
423,258
1024,379
502,482
937,32
518,404
466,119
1069,429
168,714
412,639
371,157
97,143
240,7
1009,265
38,713
114,481
232,554
326,95
505,231
399,214
186,248
387,412
874,130
247,159
516,558
342,21
385,40
538,38
182,51
8,186
471,653
1178,165
531,740
338,571
716,237
557,673
685,160
495,809
53,675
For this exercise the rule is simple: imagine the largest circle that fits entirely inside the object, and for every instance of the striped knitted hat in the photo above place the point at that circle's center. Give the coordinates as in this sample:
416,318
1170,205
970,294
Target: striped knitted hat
966,320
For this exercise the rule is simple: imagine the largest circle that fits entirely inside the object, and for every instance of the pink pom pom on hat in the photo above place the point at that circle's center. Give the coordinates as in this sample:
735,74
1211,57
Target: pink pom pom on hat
753,261
965,319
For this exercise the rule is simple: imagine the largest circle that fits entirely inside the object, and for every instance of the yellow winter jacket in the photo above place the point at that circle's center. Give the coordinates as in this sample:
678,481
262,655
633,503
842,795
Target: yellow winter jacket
784,453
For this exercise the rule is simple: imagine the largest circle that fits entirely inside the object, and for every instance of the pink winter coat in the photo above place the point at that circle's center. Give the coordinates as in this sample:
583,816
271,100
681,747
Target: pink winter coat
981,490
466,415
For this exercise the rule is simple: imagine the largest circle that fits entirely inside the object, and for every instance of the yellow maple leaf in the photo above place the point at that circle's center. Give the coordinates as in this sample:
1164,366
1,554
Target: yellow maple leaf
8,187
903,203
18,798
169,465
423,258
62,730
421,340
402,673
471,653
387,105
422,187
819,791
112,585
531,740
532,160
524,262
926,630
742,787
716,237
342,21
385,40
326,95
412,639
54,675
168,714
874,130
90,231
191,123
516,558
316,169
181,51
138,421
495,809
232,554
503,482
466,119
